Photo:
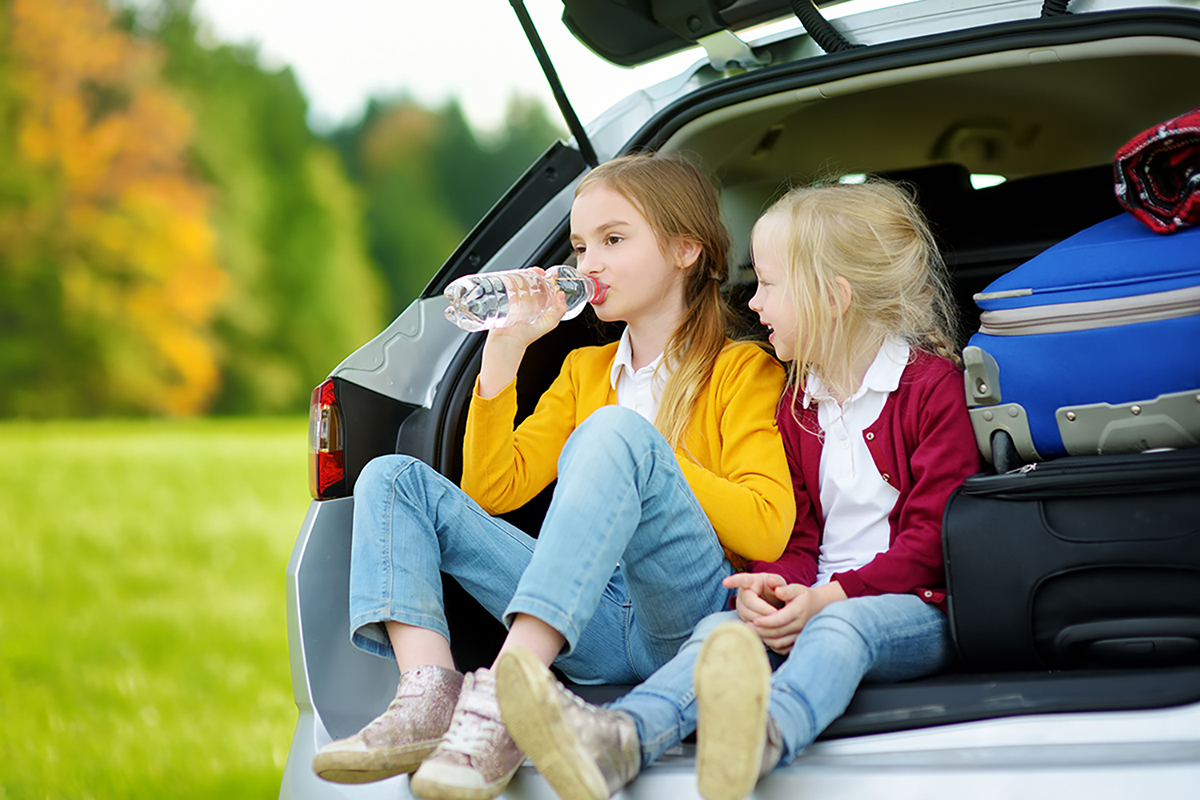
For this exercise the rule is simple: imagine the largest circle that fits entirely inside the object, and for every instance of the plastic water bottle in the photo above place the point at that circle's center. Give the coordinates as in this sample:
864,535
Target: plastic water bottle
498,299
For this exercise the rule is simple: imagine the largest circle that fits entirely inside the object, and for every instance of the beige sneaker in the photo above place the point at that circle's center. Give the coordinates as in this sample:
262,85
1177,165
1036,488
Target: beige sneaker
399,739
736,741
476,758
584,752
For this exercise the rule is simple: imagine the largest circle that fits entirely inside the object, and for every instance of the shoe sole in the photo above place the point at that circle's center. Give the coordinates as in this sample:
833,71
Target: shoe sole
733,687
351,767
433,788
531,711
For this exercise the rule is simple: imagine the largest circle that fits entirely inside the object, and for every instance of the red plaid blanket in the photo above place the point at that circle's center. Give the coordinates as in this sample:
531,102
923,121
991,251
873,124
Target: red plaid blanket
1158,174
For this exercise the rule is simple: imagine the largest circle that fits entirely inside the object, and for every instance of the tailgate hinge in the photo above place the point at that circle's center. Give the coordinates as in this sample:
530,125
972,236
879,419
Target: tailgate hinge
727,53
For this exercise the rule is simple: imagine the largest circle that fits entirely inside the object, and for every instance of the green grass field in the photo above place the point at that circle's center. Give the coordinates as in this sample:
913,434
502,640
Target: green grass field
143,641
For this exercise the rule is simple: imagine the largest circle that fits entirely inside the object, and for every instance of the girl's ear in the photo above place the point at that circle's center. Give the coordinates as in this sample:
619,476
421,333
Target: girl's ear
687,252
842,295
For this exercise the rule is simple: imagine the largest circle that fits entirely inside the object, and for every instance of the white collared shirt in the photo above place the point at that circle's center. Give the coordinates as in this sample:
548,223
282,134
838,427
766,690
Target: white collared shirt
855,499
638,390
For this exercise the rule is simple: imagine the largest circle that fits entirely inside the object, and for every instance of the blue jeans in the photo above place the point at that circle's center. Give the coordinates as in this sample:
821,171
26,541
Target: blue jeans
884,639
625,565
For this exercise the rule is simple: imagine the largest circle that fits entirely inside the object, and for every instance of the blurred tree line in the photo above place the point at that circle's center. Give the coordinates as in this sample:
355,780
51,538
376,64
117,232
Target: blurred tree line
174,239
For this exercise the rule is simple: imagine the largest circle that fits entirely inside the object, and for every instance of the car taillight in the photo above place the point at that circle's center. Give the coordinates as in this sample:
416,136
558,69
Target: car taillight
326,458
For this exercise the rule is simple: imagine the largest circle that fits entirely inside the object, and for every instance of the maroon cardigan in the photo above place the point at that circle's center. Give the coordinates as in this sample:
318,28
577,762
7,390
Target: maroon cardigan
924,446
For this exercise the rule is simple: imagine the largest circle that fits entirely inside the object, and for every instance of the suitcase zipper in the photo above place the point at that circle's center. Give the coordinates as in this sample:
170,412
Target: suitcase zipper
1168,470
1090,314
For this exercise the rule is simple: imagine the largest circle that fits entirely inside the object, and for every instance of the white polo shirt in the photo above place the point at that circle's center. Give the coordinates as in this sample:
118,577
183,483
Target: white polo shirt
639,390
855,500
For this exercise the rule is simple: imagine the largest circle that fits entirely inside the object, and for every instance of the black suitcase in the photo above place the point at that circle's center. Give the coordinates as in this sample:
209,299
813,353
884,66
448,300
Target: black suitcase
1082,561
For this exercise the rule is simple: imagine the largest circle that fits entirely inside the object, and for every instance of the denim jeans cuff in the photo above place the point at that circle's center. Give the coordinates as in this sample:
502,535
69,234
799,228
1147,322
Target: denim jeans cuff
372,638
369,634
548,614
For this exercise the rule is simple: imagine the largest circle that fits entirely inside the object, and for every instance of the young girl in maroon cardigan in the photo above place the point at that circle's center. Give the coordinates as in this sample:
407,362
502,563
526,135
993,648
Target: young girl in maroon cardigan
877,435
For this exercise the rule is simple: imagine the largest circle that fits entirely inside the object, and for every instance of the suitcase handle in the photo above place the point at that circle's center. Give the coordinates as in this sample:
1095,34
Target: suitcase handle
1130,641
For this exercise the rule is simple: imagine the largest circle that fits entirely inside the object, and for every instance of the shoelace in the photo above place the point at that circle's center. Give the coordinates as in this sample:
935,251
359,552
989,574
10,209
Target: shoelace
466,735
382,721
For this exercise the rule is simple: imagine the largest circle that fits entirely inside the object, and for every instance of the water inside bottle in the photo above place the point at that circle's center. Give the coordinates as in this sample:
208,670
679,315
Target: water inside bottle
493,300
478,302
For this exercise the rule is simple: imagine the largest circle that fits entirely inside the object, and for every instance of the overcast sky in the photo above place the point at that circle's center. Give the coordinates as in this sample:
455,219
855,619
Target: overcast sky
345,51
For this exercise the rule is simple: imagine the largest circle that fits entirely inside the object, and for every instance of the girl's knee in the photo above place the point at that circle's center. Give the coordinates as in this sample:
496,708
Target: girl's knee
380,473
610,429
608,421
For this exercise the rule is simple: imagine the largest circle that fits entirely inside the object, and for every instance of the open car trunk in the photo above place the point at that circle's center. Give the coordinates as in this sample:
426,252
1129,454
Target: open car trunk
1006,134
984,232
1031,114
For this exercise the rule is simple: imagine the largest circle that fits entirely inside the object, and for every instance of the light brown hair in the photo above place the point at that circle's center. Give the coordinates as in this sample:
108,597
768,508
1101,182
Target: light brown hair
679,202
875,238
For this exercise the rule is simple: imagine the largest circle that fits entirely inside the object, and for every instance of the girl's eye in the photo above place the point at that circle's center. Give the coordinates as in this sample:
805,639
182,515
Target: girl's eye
579,249
612,239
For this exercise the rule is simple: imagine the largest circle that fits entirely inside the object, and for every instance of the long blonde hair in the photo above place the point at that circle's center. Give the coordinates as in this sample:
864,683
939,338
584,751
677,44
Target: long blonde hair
680,203
875,238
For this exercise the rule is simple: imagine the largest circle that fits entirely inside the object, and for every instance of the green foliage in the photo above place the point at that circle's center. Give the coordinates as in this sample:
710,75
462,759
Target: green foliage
428,179
473,173
30,293
288,220
143,639
410,229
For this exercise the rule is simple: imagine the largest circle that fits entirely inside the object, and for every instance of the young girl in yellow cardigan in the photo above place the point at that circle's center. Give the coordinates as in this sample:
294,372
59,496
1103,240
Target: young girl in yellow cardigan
670,472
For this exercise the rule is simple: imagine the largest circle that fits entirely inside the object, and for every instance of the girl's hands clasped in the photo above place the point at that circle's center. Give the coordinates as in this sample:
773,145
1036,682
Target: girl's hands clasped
756,593
776,610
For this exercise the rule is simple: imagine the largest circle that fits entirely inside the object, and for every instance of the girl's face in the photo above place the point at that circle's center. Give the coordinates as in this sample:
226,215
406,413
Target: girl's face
616,245
771,301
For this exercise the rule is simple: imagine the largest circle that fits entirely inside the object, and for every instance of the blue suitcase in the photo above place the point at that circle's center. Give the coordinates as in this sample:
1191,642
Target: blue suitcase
1092,347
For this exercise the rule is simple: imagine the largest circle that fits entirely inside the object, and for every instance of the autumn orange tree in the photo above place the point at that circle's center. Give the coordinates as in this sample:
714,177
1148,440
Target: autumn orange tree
108,276
174,239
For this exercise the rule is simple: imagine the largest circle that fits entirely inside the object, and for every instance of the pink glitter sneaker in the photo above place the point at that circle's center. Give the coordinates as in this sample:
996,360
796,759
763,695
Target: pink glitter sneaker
476,758
399,739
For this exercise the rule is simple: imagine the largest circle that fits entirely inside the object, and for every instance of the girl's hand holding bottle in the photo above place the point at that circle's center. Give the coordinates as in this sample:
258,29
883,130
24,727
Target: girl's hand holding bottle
505,346
516,307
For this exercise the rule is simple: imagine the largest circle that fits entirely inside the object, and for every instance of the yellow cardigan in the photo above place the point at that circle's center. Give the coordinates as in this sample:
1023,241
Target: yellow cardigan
733,457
